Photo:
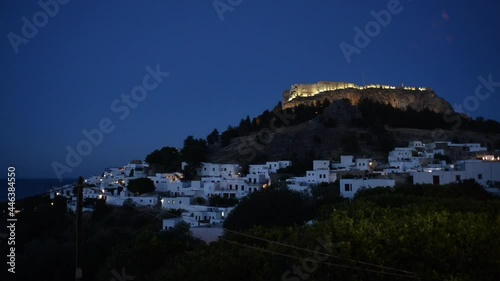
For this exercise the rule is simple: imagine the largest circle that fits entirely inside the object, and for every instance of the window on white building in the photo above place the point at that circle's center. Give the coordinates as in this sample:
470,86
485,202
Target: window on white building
479,176
348,187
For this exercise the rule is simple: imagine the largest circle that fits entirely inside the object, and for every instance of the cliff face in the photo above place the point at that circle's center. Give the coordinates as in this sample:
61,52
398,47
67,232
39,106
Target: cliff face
399,98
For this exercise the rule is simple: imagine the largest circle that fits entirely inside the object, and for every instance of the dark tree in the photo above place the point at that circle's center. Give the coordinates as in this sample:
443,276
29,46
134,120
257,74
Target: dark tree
189,172
228,135
245,126
168,157
327,193
218,201
200,201
141,186
213,137
271,207
194,151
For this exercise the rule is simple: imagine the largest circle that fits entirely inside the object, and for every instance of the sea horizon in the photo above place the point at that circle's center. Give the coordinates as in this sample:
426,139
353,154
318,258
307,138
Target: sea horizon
27,187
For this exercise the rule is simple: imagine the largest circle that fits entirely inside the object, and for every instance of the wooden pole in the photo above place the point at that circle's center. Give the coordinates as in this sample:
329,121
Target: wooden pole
79,206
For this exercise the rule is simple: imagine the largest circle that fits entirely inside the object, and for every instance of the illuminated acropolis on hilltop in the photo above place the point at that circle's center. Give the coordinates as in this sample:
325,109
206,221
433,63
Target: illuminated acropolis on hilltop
309,90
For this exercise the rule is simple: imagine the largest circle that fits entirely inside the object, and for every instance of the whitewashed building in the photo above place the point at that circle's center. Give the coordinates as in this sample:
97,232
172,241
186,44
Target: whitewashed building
480,171
437,177
176,202
363,164
259,169
276,165
346,163
321,165
349,187
219,170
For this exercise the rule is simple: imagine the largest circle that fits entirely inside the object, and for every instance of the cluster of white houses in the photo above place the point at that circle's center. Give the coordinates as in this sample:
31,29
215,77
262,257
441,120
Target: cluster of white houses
418,162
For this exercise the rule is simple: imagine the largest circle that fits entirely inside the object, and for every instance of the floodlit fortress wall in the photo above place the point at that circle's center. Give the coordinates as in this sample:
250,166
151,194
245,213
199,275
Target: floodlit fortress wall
309,90
398,97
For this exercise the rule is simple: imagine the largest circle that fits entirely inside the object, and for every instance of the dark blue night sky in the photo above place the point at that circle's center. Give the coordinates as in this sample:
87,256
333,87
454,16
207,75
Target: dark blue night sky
66,77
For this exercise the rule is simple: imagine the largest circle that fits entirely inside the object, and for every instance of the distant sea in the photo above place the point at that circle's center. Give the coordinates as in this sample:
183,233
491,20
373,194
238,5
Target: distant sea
31,187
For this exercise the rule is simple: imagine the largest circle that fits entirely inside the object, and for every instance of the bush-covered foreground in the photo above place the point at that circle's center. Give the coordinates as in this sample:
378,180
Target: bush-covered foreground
406,233
426,238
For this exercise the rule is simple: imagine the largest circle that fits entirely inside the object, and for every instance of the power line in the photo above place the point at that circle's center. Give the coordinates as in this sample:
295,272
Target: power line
254,237
311,251
326,263
280,243
407,273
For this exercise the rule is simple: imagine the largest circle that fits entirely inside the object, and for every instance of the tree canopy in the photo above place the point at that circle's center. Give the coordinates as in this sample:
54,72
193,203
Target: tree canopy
194,151
169,157
270,207
141,186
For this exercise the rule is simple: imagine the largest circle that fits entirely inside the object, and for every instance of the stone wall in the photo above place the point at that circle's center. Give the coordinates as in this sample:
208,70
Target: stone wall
415,98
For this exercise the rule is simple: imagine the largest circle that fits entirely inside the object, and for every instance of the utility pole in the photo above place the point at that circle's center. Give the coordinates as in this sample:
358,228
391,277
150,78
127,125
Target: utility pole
79,206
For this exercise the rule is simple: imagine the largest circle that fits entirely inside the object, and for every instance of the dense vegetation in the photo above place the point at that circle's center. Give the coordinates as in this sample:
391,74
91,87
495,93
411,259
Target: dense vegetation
270,207
45,237
378,113
449,232
426,232
141,185
374,117
249,126
168,159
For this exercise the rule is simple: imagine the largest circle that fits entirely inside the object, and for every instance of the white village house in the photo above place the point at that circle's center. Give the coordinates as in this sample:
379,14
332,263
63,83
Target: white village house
417,161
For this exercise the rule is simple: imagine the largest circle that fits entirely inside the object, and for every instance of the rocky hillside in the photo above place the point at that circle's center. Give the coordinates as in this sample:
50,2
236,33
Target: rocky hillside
318,138
397,98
